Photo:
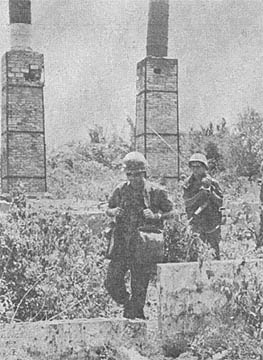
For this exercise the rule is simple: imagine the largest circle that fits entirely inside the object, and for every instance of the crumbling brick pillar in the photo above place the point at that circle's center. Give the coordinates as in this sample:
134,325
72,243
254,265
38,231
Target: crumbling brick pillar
157,115
157,123
23,155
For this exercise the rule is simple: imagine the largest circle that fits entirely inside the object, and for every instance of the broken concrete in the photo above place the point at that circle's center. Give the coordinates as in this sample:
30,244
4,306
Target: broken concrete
189,295
67,339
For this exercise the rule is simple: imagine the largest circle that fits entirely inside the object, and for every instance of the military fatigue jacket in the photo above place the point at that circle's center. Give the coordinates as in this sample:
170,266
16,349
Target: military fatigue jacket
196,199
133,202
261,193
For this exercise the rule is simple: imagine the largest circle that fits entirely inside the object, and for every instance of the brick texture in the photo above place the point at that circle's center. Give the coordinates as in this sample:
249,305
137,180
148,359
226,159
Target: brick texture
22,126
157,102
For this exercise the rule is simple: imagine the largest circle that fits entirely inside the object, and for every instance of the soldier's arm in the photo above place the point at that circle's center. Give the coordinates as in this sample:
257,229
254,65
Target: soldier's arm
216,195
166,206
196,200
114,204
261,193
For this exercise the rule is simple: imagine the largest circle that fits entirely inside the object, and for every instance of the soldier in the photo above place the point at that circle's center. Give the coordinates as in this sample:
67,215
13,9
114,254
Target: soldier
260,236
203,199
134,203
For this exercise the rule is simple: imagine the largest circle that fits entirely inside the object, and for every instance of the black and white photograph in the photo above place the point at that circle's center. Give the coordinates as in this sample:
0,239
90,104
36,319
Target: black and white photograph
131,192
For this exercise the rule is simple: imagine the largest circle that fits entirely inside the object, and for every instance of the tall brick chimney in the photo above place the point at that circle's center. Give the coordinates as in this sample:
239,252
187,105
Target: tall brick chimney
20,24
23,151
157,120
157,34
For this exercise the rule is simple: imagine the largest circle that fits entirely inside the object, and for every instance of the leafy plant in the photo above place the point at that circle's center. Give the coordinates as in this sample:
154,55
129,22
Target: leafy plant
51,265
246,144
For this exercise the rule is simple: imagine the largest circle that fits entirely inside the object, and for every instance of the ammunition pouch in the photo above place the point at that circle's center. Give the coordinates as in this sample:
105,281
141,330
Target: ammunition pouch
108,234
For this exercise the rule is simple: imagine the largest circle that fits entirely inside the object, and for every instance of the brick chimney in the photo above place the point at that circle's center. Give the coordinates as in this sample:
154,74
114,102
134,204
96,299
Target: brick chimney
23,149
157,34
157,120
20,24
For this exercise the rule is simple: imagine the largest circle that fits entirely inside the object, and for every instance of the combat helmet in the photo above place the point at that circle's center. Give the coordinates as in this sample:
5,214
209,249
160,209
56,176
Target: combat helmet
134,162
198,157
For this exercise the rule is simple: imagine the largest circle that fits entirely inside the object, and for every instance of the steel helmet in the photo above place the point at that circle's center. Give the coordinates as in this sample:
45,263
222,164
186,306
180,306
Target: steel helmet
134,162
198,157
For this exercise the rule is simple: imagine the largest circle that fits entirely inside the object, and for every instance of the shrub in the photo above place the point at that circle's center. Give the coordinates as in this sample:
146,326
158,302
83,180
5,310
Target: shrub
52,265
245,148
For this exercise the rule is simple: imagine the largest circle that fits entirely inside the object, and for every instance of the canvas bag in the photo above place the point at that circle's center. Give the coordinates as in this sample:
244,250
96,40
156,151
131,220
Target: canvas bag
149,247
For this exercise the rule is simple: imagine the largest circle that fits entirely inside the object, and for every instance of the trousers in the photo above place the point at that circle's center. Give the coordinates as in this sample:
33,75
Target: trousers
116,287
212,238
260,235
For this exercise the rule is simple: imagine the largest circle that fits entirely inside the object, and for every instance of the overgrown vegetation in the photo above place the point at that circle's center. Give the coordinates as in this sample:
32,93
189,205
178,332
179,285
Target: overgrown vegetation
52,262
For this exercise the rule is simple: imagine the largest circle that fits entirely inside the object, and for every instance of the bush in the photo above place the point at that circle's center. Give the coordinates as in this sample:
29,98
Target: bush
52,266
87,170
245,148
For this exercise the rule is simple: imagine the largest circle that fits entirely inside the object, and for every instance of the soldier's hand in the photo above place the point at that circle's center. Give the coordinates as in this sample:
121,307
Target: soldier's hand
116,212
148,214
206,183
205,190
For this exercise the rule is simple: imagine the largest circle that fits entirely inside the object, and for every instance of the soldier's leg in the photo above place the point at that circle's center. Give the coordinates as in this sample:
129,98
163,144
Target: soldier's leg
213,240
193,249
115,283
140,277
260,235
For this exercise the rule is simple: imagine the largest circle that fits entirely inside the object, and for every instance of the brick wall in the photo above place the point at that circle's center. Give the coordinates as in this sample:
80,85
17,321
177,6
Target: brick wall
22,127
157,100
161,159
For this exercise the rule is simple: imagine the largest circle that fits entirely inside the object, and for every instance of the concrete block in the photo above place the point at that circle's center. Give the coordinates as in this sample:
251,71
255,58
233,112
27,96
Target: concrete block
66,339
189,295
4,207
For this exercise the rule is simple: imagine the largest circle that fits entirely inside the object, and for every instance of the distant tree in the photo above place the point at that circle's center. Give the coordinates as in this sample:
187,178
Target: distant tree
246,144
214,157
97,135
132,128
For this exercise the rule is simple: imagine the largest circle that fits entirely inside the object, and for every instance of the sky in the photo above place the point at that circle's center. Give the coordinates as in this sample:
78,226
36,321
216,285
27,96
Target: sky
91,49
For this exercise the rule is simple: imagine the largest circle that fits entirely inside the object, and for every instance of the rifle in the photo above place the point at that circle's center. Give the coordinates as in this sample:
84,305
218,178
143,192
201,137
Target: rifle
197,212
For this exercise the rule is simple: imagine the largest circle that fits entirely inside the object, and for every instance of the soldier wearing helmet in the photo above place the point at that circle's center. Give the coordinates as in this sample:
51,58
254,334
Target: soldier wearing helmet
203,199
133,204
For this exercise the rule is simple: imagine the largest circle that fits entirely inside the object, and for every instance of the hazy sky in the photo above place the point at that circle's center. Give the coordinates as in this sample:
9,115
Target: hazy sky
91,48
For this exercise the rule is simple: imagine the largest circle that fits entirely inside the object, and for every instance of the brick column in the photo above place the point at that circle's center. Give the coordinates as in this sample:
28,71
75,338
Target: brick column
22,127
157,123
157,115
23,154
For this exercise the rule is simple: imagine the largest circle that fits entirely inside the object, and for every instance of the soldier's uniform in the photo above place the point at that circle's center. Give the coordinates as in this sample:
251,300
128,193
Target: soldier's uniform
203,199
133,202
260,240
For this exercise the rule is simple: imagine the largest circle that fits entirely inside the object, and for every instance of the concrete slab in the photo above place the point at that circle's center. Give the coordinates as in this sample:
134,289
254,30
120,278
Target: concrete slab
189,295
57,340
